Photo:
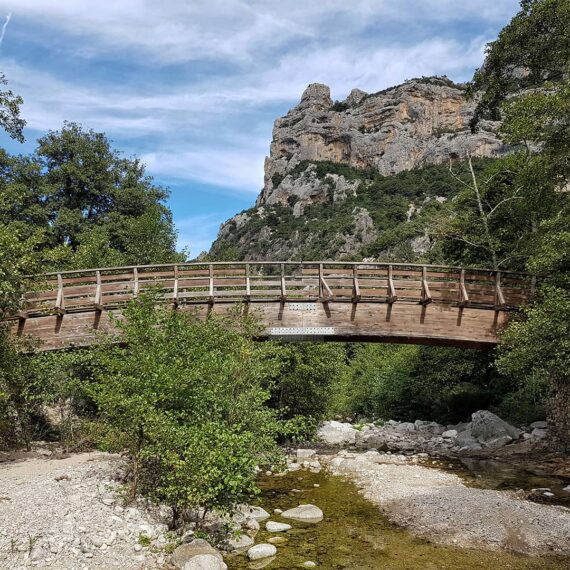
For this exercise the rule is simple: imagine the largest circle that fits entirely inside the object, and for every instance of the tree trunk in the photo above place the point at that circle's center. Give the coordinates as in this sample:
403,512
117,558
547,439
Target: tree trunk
559,413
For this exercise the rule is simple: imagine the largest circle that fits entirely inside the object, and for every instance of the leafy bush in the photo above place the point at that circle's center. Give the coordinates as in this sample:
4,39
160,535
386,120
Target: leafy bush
185,399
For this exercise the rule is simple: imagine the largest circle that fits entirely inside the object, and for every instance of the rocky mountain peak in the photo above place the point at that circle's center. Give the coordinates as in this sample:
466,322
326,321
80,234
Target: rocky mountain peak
316,96
421,122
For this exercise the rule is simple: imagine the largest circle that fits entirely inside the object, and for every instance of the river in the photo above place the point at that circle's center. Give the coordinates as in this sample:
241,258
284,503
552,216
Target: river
355,535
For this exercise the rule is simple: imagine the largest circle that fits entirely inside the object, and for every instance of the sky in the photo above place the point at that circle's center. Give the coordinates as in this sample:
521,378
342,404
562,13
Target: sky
193,88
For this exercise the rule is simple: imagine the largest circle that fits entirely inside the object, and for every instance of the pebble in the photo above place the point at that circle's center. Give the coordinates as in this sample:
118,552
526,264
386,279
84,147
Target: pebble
309,564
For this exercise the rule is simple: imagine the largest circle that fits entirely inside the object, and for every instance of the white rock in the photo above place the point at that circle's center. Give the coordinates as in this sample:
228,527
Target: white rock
539,433
567,489
260,551
305,453
277,511
251,524
337,433
309,564
244,541
272,526
257,513
539,425
205,562
405,427
449,434
309,513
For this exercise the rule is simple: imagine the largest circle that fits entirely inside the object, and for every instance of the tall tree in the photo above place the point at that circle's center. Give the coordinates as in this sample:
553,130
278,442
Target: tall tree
92,206
10,119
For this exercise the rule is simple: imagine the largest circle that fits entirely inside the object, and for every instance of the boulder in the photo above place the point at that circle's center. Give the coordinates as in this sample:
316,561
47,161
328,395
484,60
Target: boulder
260,551
205,562
240,543
497,442
272,526
431,427
539,433
487,427
337,433
308,513
256,513
305,453
449,434
186,552
405,427
466,441
539,425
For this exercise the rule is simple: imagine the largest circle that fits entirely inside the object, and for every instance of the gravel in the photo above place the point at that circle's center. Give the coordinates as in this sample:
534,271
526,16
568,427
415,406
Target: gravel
438,506
65,514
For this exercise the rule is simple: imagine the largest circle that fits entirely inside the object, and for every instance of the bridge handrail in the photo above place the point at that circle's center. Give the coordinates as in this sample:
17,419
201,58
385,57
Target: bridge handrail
244,263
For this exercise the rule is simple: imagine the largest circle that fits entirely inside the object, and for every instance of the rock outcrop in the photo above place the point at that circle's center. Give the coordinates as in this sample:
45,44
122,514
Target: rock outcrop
422,121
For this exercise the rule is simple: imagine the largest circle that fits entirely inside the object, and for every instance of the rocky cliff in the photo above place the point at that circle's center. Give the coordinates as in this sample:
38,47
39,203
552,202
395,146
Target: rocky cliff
421,122
342,176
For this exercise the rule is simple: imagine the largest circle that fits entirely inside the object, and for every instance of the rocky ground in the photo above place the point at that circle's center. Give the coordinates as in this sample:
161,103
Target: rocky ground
65,513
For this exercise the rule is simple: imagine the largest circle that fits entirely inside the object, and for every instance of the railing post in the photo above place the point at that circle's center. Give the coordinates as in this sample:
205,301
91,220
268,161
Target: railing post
463,296
98,301
355,285
247,284
211,272
60,300
392,297
135,282
426,298
175,287
283,289
320,280
499,297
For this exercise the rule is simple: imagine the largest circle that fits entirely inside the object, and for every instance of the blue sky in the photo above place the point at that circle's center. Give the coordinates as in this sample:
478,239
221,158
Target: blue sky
193,88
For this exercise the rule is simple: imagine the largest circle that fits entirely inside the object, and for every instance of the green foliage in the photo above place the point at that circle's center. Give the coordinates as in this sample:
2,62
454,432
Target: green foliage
318,234
412,382
10,119
22,395
307,374
79,203
186,400
531,50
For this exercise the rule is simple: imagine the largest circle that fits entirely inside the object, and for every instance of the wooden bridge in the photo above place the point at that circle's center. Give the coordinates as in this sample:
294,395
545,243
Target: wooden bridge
404,303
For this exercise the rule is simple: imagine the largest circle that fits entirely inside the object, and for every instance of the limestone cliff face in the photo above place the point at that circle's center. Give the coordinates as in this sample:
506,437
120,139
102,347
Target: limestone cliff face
418,123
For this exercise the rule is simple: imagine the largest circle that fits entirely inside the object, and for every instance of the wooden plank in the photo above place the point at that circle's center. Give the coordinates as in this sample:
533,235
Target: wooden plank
355,286
211,297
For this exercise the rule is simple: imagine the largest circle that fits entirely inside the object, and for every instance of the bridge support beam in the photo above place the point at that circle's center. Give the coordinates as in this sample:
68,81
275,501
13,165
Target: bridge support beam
401,322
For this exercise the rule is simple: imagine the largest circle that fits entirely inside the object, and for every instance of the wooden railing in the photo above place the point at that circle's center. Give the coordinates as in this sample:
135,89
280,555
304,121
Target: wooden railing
255,281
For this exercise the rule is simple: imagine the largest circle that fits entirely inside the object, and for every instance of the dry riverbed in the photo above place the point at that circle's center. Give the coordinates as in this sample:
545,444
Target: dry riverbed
68,514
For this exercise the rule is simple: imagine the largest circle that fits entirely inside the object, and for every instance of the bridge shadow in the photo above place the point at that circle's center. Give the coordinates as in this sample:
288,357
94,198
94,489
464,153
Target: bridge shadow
459,316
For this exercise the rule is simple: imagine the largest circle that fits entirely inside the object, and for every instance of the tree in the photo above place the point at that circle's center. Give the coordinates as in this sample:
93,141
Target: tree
10,119
185,399
91,206
526,82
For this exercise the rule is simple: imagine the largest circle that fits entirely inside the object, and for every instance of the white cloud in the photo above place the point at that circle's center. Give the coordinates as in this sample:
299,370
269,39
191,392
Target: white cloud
242,30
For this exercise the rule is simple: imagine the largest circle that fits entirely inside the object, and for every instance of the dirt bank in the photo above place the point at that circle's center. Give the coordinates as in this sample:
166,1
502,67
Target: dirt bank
440,507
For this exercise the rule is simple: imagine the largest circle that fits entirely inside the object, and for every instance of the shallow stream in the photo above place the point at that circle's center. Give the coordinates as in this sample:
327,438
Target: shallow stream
354,535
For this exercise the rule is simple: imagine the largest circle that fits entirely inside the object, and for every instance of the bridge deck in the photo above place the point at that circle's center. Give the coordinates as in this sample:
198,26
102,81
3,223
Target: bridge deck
336,300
